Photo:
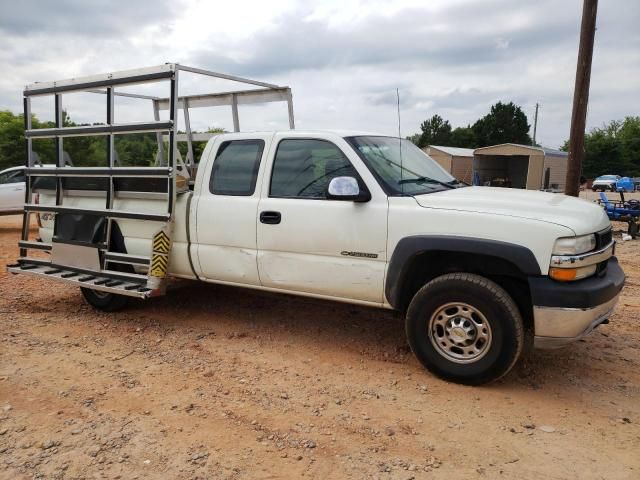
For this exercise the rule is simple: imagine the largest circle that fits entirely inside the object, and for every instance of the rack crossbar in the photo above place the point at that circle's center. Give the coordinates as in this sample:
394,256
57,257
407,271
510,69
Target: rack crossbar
34,245
154,217
106,80
242,97
120,128
126,258
116,172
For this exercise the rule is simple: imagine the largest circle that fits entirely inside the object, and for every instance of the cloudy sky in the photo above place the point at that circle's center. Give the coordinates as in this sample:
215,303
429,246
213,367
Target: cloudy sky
343,59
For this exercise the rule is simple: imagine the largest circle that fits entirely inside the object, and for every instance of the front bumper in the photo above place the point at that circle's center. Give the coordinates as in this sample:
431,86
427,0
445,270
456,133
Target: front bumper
565,312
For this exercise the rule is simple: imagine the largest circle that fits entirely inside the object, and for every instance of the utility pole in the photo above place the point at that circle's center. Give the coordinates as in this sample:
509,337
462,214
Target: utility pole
535,125
581,97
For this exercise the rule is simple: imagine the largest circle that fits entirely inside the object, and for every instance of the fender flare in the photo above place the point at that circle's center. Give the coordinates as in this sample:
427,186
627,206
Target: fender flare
410,247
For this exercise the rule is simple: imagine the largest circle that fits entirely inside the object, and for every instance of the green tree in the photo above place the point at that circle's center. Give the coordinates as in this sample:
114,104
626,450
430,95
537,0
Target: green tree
463,137
612,149
137,149
505,123
12,142
415,138
435,131
629,137
11,139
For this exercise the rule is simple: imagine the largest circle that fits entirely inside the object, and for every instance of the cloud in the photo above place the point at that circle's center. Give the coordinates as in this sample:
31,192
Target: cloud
411,38
94,18
344,59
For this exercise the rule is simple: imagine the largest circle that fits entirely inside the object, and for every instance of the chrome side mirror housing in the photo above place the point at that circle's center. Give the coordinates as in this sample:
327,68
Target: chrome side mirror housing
348,189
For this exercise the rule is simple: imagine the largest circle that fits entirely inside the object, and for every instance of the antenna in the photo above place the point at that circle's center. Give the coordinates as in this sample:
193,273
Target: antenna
400,141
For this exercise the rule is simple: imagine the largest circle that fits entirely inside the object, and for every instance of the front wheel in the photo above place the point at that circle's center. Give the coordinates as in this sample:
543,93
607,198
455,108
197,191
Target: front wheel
107,302
465,328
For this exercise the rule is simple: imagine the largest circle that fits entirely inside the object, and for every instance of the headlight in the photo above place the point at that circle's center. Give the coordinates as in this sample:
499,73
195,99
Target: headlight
574,245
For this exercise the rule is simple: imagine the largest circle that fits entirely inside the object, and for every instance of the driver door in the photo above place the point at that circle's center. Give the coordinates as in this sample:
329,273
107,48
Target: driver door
310,244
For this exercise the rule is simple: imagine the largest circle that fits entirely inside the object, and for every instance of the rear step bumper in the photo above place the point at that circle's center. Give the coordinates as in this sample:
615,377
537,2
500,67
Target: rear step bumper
93,281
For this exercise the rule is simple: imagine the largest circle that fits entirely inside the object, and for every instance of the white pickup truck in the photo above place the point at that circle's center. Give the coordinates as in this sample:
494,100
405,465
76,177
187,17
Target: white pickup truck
354,217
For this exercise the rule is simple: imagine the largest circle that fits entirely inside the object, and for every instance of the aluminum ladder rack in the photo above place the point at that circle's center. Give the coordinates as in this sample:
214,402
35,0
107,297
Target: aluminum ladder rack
93,261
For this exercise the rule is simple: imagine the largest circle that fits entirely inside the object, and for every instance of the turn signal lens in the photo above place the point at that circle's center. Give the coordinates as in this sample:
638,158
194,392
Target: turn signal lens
569,274
563,274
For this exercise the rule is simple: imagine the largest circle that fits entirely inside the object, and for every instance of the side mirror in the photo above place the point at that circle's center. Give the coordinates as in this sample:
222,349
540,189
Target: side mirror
346,188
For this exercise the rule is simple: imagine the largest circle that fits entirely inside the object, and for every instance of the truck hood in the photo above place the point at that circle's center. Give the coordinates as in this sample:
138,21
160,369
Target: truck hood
579,215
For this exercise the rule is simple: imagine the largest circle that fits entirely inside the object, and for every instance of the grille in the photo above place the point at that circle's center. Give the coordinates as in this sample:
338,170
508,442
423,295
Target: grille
603,238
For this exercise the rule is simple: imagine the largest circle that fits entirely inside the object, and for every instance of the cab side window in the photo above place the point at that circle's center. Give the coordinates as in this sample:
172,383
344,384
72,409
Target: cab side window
235,168
303,168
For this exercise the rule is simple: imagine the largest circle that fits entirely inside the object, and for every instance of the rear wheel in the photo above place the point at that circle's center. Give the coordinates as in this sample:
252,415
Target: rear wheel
107,302
465,328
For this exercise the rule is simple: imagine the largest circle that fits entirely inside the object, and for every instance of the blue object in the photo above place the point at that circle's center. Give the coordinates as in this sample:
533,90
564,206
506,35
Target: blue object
625,184
620,210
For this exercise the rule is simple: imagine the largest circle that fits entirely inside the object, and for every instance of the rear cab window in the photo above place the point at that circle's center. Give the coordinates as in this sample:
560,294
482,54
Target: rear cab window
235,168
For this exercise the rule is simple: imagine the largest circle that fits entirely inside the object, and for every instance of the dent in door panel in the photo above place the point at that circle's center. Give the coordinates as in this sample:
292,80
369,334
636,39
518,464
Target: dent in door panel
238,264
282,270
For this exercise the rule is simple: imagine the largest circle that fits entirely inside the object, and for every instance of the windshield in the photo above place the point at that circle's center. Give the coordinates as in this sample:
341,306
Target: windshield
607,177
401,167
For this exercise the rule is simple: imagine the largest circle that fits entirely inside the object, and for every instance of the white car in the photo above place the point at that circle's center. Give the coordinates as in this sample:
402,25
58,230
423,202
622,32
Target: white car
12,190
605,182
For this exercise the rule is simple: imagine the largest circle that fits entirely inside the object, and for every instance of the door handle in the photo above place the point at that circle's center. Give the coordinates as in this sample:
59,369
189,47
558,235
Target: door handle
270,218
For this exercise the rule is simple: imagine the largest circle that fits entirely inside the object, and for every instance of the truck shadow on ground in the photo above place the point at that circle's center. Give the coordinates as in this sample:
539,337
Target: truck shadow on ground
374,334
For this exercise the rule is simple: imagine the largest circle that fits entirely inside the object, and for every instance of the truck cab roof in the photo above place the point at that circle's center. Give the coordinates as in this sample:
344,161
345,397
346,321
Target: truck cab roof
303,133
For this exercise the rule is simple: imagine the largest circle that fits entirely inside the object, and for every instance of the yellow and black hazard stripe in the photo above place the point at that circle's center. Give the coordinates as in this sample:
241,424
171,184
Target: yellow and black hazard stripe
159,265
161,242
160,256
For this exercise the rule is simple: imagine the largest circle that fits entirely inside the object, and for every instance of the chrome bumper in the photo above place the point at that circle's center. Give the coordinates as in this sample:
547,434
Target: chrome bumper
557,327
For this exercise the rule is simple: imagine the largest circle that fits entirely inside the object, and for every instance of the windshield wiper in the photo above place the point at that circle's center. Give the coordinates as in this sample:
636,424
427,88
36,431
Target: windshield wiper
455,181
425,180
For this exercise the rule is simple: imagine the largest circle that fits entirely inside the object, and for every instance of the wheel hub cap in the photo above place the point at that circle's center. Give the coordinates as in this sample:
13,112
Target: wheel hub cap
460,332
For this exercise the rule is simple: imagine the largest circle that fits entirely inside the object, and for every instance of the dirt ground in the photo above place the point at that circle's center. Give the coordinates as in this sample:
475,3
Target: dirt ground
215,382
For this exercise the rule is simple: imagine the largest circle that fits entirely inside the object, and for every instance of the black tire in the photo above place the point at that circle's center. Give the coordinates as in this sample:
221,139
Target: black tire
106,302
612,188
502,341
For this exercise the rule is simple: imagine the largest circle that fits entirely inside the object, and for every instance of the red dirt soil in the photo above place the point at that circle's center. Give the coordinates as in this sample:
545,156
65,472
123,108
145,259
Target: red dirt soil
221,383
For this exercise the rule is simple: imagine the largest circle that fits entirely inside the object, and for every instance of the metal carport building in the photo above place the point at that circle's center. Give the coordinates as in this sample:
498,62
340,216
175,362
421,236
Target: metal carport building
457,161
521,166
